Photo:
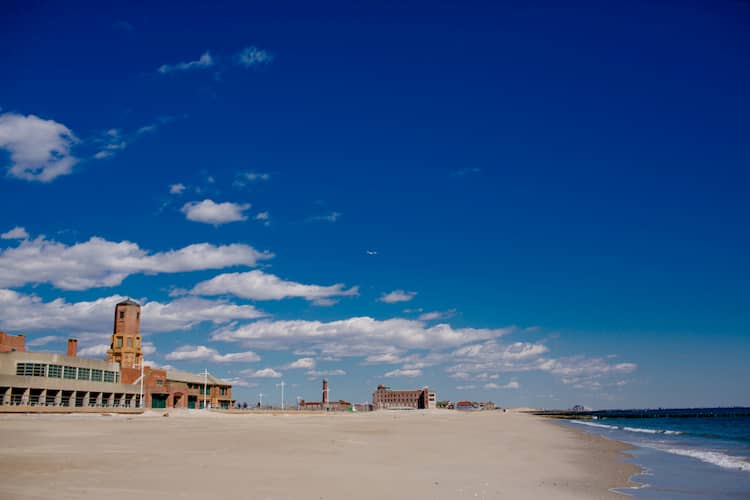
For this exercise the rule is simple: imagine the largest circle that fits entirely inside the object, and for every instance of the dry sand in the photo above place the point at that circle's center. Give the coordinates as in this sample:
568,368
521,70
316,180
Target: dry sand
436,454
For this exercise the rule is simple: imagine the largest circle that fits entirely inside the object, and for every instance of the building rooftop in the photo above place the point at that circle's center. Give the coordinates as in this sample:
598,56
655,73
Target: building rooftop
128,302
193,378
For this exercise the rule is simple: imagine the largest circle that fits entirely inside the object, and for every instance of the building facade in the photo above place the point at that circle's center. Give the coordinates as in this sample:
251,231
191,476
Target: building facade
51,379
384,397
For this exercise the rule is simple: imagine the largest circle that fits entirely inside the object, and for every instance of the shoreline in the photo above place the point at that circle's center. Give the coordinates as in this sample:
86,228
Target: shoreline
436,454
616,451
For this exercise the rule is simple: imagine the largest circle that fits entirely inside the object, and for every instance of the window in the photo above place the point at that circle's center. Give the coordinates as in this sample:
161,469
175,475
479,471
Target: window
122,314
84,374
223,391
31,369
55,371
118,341
130,341
137,315
96,375
109,376
138,342
69,372
159,382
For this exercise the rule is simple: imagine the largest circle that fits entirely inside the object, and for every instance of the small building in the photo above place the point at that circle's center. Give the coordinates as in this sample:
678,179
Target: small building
384,398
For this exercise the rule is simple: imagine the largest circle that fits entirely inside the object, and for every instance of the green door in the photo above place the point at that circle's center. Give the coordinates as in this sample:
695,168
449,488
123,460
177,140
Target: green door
158,401
191,402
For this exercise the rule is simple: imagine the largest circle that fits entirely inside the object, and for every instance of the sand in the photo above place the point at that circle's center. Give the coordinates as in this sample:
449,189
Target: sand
437,454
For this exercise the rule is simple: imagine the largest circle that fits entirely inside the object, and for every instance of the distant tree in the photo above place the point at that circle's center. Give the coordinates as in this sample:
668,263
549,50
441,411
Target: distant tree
244,405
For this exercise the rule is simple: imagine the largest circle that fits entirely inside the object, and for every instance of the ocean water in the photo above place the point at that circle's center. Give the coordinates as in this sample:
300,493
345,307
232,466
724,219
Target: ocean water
683,458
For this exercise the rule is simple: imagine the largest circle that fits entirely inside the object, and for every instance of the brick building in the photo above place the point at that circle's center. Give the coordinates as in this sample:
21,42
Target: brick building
12,343
51,379
384,397
324,404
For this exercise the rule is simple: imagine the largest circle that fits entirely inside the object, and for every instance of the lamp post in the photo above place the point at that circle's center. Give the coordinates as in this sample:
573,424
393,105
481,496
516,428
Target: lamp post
282,384
205,387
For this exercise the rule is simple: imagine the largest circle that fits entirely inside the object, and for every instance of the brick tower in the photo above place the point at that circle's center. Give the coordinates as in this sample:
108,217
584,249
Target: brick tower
325,391
126,347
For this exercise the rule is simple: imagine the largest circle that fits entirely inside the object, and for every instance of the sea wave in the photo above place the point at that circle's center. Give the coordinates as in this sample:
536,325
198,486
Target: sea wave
712,457
651,431
629,429
591,424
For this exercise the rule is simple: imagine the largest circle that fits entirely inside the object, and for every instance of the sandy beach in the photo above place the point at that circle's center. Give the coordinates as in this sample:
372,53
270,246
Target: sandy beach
408,454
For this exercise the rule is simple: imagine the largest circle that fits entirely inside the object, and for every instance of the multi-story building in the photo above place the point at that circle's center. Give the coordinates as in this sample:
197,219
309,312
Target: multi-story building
51,379
384,397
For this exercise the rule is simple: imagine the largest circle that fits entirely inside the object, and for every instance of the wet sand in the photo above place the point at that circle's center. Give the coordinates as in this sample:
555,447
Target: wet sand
437,454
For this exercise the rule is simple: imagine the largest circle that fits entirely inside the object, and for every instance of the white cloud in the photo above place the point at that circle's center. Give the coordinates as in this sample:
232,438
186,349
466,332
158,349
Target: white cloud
205,61
513,384
176,188
21,312
112,141
331,217
40,341
437,315
200,352
210,212
314,374
304,363
96,351
256,176
252,56
403,373
102,263
240,382
358,336
257,285
474,362
263,216
149,348
263,373
17,233
388,358
397,296
40,150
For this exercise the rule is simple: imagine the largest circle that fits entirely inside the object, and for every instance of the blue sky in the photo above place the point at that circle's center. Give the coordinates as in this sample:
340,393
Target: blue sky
516,201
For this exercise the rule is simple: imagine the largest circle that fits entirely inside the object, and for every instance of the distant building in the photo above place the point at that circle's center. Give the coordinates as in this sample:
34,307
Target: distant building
466,405
51,379
384,397
324,404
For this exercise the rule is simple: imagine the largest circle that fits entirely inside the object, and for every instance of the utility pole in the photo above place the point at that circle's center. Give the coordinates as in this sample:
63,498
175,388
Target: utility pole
260,400
205,387
141,397
282,384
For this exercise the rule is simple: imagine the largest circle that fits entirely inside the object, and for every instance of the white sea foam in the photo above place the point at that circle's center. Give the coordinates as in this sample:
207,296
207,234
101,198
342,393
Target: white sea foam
629,429
591,424
651,431
712,457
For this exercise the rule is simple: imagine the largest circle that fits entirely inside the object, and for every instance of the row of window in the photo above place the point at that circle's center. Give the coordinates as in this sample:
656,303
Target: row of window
67,372
201,387
118,341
